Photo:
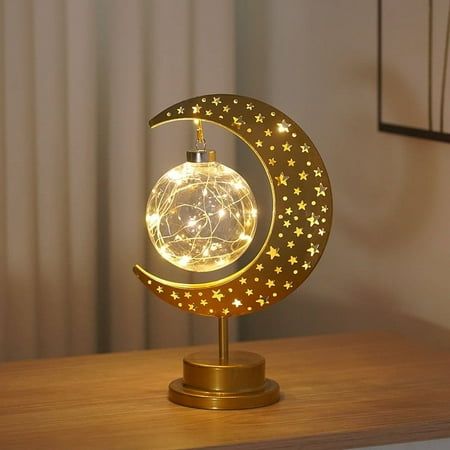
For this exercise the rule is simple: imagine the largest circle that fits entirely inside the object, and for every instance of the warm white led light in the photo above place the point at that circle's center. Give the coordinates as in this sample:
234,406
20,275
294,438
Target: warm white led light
201,216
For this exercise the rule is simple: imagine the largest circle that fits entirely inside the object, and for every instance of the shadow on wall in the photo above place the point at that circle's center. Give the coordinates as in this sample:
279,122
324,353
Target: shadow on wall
368,314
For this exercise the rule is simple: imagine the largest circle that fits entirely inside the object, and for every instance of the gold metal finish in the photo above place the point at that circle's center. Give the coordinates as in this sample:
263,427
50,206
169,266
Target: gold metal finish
301,216
223,340
209,384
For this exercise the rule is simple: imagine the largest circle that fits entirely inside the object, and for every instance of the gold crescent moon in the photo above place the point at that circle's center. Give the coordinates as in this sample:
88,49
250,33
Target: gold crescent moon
301,214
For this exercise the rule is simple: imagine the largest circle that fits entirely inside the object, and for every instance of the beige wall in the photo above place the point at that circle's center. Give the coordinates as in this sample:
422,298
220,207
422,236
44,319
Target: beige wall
387,264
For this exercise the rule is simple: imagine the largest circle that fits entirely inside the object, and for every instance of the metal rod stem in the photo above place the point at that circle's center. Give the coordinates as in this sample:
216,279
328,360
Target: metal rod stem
223,340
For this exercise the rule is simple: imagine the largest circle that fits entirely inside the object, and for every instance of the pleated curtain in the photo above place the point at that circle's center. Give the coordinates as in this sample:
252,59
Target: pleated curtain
79,80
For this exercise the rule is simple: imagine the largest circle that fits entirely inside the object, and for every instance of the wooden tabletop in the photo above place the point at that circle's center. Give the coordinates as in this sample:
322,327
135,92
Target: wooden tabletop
338,391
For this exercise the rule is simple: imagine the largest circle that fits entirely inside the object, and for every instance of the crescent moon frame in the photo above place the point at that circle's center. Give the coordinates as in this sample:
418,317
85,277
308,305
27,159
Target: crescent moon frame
301,209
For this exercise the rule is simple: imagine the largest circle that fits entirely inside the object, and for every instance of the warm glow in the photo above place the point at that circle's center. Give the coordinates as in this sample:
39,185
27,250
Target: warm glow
201,216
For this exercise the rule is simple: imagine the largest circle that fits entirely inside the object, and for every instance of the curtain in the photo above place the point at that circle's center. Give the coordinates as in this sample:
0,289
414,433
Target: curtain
79,80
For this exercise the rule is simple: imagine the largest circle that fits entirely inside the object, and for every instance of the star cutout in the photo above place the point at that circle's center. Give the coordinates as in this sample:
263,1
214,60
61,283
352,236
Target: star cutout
261,301
270,283
292,260
297,191
283,126
287,285
321,231
268,132
217,295
282,179
324,208
278,269
288,211
250,106
191,307
249,292
226,108
303,175
196,109
313,220
318,172
287,223
259,118
291,162
272,161
290,244
238,122
216,101
273,253
208,112
305,148
259,267
180,110
320,190
237,303
259,143
313,249
160,289
243,280
298,231
306,265
286,147
302,205
203,302
225,311
174,295
187,294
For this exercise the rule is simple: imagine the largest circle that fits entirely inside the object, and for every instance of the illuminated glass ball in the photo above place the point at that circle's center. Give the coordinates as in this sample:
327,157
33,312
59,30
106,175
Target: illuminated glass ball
201,216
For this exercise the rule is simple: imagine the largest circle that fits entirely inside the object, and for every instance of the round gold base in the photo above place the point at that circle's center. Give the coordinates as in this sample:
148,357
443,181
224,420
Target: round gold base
238,384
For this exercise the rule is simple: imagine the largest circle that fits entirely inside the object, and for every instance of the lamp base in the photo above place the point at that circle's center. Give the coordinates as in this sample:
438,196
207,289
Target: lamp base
239,383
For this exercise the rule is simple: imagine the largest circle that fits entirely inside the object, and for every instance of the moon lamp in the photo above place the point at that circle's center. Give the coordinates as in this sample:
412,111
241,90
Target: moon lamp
202,215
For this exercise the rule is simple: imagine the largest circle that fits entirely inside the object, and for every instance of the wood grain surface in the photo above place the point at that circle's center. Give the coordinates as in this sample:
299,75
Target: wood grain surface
338,391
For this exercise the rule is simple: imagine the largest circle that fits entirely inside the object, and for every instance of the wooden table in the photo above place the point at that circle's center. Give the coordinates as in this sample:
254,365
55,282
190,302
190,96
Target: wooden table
339,391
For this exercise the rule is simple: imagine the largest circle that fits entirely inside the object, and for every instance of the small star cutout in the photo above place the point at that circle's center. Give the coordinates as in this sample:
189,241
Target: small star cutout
313,249
238,122
290,244
226,108
203,302
287,285
237,303
174,295
259,143
302,205
324,208
291,162
286,147
259,118
259,267
320,190
303,175
216,101
208,112
298,231
160,289
272,161
270,283
250,106
249,292
268,132
317,172
278,269
321,231
306,265
196,109
243,280
217,295
273,253
191,307
282,179
313,220
180,110
283,126
287,223
297,191
292,260
288,211
225,311
261,301
305,148
187,295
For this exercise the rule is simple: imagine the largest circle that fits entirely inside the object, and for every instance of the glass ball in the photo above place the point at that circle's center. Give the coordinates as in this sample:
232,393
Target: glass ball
201,216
